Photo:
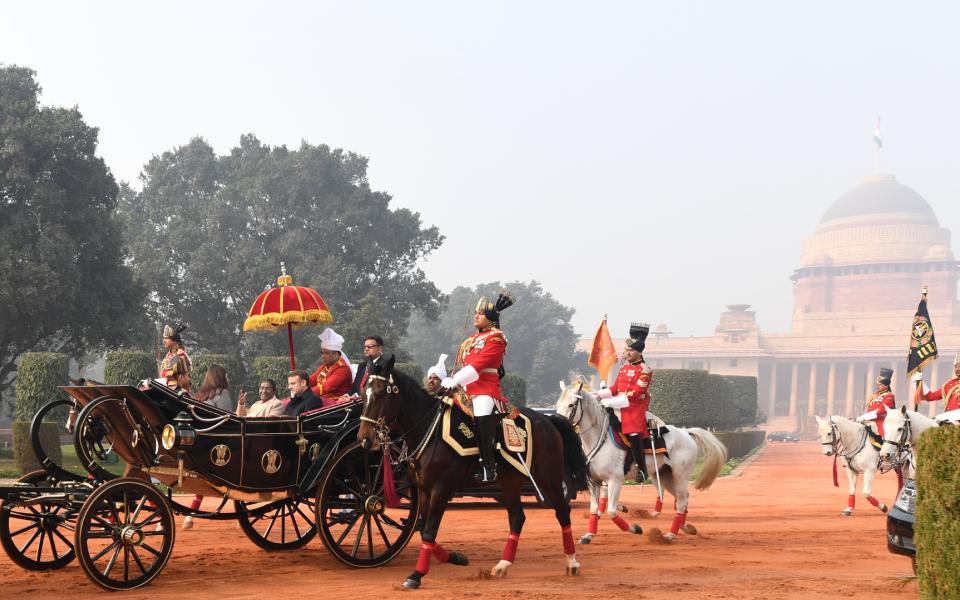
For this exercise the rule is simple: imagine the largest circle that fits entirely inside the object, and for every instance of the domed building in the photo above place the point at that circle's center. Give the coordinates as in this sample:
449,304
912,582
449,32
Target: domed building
855,293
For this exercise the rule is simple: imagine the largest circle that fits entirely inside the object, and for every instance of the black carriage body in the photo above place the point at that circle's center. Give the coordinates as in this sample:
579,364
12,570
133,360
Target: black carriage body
240,454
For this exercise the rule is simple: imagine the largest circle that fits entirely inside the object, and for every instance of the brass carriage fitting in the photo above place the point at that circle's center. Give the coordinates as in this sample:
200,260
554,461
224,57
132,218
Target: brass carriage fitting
180,435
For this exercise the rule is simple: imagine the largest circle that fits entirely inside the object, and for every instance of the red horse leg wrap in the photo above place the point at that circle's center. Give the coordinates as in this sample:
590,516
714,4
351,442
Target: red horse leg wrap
592,528
440,553
873,501
196,502
603,505
619,522
423,563
658,506
568,547
851,500
678,520
510,549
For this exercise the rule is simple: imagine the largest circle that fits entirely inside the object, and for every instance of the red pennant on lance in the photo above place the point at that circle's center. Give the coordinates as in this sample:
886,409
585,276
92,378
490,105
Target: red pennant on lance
603,355
923,345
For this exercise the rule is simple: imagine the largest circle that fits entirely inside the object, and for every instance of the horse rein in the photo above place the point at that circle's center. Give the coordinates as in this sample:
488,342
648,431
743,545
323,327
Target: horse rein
578,404
382,427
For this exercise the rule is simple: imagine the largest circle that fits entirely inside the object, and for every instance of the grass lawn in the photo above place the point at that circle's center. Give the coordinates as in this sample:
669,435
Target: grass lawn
70,463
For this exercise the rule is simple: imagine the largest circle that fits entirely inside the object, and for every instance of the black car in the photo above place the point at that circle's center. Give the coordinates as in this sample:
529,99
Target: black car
900,523
782,436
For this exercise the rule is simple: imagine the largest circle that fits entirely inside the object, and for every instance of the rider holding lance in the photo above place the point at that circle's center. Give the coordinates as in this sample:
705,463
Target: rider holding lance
950,392
880,401
631,394
480,362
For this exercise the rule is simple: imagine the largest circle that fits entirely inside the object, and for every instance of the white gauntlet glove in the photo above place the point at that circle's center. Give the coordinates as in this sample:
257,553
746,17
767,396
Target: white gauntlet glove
619,401
604,394
870,416
461,378
918,376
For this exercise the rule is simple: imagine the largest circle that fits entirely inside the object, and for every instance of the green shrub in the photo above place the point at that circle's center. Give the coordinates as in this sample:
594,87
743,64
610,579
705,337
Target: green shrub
684,398
514,388
937,529
740,443
744,399
23,457
269,367
38,376
410,370
129,367
235,372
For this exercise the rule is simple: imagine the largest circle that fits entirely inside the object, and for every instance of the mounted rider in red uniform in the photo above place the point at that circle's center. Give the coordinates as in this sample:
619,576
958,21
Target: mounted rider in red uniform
880,401
631,394
480,363
950,392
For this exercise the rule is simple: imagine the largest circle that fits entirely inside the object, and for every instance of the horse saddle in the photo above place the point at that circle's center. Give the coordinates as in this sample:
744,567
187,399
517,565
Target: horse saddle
876,440
656,429
514,439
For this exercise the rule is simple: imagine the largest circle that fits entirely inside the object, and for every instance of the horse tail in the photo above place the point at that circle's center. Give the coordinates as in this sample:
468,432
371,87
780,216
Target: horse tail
715,454
573,459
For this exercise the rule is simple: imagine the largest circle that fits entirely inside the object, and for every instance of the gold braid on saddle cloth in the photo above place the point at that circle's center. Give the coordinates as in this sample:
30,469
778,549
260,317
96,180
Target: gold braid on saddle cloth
462,400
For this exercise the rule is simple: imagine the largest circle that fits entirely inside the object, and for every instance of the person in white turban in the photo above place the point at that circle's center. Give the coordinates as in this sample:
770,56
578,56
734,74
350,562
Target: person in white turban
334,377
436,374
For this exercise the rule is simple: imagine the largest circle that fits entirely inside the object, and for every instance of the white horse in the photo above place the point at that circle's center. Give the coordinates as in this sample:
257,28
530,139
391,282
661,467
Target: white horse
901,431
606,460
848,439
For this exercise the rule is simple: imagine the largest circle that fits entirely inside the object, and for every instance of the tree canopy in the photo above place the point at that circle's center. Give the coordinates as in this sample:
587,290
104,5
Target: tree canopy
207,234
63,283
541,342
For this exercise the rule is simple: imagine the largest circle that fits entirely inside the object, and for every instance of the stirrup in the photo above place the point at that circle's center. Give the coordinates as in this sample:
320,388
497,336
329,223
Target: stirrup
486,474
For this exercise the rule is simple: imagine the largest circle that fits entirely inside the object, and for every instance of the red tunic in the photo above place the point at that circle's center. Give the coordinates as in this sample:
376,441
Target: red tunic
949,392
333,381
634,381
174,364
484,351
880,402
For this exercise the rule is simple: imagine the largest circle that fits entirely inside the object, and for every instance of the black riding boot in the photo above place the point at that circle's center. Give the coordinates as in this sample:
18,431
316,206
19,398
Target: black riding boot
486,439
636,447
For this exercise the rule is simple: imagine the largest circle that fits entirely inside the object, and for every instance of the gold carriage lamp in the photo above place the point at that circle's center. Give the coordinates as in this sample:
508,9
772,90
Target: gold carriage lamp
180,434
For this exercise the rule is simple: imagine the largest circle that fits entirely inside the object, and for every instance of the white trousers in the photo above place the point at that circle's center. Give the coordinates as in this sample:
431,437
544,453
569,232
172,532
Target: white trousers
482,406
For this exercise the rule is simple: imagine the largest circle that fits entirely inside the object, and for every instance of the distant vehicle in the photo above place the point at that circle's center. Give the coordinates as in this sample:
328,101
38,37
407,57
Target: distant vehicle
900,523
782,436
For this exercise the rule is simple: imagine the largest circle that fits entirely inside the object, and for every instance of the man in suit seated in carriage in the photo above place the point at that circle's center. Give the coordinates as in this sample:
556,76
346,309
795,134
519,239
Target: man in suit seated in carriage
302,398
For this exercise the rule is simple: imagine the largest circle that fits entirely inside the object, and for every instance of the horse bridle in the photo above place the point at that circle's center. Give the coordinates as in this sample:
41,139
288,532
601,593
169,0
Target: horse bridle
380,426
834,442
578,404
903,448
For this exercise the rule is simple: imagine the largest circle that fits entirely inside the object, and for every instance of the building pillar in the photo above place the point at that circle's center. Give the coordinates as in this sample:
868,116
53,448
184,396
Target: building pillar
848,405
794,376
831,387
772,400
812,391
871,383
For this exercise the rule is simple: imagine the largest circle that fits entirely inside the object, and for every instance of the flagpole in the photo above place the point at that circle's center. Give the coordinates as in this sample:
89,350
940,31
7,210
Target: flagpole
916,391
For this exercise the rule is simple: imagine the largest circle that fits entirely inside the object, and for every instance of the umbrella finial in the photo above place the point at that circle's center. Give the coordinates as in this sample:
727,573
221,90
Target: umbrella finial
284,279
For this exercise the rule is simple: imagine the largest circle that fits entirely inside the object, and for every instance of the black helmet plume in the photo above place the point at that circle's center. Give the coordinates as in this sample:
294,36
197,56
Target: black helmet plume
491,310
638,333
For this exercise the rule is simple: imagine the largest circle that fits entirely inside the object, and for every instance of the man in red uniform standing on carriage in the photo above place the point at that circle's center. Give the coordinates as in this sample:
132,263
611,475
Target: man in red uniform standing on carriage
480,363
631,394
881,400
950,392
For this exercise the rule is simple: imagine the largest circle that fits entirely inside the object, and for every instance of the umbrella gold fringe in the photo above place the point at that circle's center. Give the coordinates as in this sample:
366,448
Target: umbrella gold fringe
297,319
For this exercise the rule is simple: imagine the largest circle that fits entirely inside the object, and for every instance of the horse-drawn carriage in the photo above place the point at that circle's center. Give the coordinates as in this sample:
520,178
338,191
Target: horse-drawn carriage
284,480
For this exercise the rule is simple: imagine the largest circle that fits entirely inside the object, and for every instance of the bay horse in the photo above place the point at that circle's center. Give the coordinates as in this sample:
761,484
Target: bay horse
606,461
394,401
847,439
901,432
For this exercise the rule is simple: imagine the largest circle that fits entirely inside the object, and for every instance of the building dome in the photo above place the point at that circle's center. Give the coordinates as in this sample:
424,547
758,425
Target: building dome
880,194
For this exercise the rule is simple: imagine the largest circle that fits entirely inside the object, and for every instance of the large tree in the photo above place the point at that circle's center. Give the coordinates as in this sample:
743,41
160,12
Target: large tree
541,344
63,283
208,233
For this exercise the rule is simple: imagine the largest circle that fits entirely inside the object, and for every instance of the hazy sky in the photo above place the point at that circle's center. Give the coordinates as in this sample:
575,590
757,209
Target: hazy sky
652,160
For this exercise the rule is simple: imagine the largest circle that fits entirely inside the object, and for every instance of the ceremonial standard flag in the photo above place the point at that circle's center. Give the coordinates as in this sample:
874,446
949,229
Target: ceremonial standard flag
923,346
876,134
603,355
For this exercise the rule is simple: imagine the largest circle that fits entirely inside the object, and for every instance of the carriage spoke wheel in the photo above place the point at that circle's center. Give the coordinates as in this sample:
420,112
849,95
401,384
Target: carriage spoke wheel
124,534
38,536
353,518
280,525
92,436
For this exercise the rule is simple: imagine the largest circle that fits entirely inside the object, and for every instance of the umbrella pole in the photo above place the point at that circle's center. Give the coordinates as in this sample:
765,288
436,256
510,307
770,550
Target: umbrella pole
293,360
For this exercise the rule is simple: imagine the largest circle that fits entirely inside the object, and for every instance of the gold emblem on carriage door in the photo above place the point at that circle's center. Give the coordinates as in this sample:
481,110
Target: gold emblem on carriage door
220,455
271,461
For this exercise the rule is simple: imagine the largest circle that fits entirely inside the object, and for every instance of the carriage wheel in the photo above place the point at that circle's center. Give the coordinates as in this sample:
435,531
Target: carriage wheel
37,536
281,525
92,437
51,467
124,534
355,523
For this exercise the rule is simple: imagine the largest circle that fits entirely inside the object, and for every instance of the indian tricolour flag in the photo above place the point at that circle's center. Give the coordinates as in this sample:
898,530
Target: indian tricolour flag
876,134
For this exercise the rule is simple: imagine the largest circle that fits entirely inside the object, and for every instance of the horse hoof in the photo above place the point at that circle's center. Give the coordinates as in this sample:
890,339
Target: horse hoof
573,571
847,512
688,528
499,573
670,536
623,508
411,584
585,540
636,528
883,507
458,558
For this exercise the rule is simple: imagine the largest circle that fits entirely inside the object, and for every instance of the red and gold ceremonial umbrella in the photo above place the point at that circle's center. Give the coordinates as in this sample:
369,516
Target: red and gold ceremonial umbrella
287,304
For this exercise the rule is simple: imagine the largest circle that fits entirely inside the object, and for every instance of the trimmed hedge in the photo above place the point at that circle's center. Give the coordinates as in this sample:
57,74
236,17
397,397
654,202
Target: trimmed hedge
38,376
129,367
744,397
23,457
235,370
937,529
269,367
740,443
410,370
692,398
514,388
